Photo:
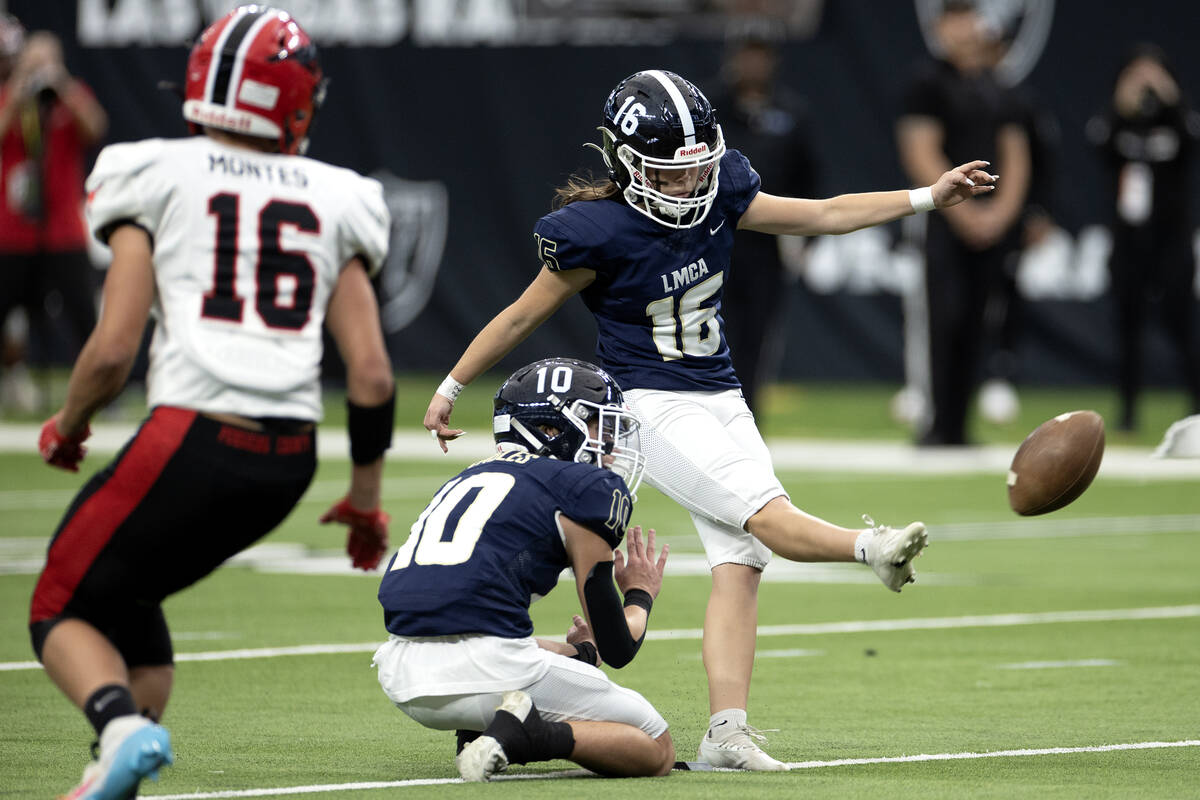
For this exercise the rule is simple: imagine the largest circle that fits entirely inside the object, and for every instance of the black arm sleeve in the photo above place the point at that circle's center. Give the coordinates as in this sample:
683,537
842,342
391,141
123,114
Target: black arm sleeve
617,647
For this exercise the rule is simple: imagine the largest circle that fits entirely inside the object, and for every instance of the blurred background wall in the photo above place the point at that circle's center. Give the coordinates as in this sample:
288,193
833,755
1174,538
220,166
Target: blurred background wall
473,111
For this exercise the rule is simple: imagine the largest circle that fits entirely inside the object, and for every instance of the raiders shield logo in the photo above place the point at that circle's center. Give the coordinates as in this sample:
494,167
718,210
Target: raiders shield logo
1023,26
420,214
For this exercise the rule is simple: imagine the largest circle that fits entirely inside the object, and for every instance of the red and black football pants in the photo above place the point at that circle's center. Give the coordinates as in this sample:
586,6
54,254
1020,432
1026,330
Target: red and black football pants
185,494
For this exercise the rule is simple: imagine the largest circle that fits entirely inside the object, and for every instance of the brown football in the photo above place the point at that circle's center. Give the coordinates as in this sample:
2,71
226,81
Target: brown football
1056,463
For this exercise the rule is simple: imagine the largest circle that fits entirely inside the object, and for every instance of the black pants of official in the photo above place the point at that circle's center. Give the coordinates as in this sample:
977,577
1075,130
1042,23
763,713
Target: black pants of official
1152,266
752,309
958,283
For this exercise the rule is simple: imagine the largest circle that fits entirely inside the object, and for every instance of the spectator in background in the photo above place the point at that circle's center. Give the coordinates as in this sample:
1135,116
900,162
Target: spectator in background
771,126
1147,138
48,122
998,400
955,106
16,388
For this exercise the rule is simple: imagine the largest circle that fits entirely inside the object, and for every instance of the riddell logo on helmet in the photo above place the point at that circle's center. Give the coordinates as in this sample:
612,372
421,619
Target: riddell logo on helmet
691,151
204,116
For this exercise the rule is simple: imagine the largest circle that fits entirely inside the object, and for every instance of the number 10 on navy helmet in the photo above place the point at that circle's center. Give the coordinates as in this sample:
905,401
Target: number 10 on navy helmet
663,147
570,410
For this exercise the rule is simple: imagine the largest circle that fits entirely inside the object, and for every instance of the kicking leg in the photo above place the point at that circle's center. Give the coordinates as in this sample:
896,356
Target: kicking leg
798,536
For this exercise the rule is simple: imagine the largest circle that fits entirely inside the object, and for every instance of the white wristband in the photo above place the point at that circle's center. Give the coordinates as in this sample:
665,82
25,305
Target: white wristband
921,199
450,388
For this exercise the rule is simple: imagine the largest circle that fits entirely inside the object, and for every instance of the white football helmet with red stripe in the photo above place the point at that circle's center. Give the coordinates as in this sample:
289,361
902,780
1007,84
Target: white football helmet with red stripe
255,72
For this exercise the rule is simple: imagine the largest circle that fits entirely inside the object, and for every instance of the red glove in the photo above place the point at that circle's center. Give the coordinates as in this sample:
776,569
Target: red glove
367,539
59,450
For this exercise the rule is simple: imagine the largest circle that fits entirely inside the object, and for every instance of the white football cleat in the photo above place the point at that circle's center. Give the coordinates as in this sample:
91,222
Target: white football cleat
131,748
738,750
890,552
482,758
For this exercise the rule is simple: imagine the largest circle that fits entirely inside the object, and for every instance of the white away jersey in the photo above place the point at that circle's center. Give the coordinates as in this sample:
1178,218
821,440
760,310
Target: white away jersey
248,247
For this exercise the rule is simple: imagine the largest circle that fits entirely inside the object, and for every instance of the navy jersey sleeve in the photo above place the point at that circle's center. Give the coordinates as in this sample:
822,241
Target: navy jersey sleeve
599,501
570,239
739,183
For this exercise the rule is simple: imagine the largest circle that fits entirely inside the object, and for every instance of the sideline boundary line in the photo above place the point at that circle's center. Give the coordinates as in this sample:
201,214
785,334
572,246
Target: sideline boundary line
796,765
864,456
810,629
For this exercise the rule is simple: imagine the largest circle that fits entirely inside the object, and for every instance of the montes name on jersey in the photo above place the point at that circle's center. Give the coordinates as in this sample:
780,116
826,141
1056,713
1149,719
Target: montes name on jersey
260,170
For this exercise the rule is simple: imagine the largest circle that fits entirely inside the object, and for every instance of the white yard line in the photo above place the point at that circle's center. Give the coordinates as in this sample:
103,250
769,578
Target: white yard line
811,629
860,456
1083,662
841,762
793,653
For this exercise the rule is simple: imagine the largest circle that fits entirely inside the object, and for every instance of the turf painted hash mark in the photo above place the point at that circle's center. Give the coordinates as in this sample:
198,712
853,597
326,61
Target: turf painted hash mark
578,773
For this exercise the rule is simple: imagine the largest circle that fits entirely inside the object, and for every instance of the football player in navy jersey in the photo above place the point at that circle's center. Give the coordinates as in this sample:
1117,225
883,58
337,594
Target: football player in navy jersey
648,251
461,654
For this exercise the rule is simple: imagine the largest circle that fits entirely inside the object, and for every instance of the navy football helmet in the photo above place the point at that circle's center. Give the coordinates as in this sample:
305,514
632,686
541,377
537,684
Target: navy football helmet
663,147
570,410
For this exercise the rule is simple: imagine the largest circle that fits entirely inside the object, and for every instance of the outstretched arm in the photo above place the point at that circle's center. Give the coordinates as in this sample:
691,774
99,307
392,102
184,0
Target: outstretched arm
849,212
507,329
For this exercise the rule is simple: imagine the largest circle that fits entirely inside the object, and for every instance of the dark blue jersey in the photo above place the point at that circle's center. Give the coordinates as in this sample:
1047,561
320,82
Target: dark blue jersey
657,293
489,543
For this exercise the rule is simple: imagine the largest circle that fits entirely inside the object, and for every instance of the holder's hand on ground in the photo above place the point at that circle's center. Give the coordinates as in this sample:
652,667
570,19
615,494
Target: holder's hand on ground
962,183
636,568
59,449
581,632
437,421
367,539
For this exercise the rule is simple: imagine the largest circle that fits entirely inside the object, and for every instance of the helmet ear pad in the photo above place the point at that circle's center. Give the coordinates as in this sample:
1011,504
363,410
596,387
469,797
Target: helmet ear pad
568,440
617,170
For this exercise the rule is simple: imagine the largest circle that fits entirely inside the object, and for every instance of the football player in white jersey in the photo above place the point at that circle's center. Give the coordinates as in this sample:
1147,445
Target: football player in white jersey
241,250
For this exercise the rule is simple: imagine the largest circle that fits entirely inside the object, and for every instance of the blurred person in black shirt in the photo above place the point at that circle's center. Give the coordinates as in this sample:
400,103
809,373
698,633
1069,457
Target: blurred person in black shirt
956,106
771,126
1147,138
998,400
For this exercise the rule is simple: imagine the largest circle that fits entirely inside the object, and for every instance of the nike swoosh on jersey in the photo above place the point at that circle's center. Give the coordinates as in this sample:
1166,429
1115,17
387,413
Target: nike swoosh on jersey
713,231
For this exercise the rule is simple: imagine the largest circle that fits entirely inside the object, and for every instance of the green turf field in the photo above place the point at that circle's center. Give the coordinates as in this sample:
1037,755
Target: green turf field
1079,629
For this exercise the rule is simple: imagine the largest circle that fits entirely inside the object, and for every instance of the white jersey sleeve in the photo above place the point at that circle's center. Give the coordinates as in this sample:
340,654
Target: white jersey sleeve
120,188
365,225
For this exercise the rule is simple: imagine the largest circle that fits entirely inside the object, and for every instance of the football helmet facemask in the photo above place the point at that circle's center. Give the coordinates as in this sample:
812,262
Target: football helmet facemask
255,72
662,145
570,410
